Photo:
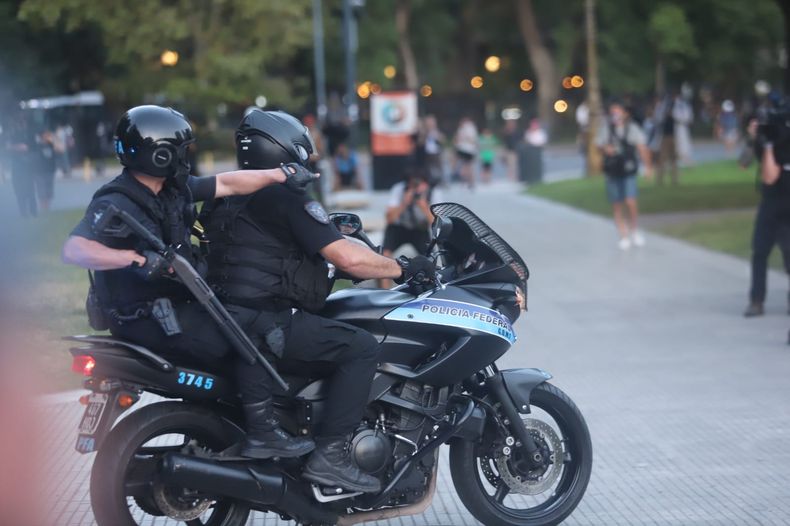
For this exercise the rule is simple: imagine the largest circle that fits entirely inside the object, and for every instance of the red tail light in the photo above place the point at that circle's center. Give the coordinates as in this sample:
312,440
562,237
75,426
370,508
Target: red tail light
83,365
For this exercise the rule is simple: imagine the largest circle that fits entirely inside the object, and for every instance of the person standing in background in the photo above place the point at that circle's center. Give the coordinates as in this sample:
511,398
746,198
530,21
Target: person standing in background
45,169
683,116
511,138
664,135
536,138
727,125
488,144
431,145
620,140
63,140
466,148
21,147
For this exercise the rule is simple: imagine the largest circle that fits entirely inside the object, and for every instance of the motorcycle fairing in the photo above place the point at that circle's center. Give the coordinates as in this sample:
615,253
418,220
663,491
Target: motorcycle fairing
452,313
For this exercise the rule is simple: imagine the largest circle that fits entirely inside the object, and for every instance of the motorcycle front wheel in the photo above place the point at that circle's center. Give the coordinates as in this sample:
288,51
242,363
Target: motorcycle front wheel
500,488
124,489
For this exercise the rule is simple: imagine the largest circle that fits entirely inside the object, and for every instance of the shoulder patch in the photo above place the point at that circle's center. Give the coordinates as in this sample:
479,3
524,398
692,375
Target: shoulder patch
317,212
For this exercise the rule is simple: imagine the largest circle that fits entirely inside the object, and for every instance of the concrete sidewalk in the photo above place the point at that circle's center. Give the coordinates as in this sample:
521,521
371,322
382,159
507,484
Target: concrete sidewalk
688,403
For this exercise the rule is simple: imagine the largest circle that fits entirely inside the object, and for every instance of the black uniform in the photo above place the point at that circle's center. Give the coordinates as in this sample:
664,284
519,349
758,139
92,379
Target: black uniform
771,226
265,264
126,297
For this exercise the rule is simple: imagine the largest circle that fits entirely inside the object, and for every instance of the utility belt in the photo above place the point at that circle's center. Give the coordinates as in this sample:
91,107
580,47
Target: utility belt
160,309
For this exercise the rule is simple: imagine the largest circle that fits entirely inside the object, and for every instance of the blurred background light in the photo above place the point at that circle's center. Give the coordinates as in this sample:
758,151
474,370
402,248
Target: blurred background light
560,106
363,90
566,83
426,90
375,89
512,113
169,58
476,82
493,63
261,101
577,81
526,85
390,72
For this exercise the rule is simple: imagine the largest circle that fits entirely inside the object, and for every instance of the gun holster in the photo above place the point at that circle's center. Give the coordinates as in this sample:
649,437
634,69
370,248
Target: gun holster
163,312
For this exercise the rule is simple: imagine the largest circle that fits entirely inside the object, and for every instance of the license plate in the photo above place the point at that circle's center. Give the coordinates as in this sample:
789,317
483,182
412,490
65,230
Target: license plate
97,403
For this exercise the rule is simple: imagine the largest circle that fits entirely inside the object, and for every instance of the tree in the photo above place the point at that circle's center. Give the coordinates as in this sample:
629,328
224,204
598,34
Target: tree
541,59
593,90
229,51
402,22
673,41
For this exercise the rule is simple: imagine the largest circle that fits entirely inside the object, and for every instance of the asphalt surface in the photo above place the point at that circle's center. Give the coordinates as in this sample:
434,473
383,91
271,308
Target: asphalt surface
687,402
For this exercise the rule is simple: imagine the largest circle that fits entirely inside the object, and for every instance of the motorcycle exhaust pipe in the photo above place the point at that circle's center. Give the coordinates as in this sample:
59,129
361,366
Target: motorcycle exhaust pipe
243,481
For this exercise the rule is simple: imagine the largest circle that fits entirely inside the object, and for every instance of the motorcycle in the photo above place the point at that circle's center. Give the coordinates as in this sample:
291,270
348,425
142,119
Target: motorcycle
520,453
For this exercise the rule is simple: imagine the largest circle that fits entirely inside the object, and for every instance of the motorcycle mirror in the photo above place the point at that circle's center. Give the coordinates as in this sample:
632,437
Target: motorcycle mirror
347,224
441,228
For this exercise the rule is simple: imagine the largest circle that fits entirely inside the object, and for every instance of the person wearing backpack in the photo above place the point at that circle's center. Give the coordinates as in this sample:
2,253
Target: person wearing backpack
622,143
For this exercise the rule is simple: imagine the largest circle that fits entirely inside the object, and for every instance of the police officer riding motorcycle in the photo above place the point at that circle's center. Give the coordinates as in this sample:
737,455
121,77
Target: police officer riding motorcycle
133,293
268,264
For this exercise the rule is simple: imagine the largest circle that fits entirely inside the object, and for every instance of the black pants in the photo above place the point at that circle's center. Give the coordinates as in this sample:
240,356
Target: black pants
346,353
395,236
201,342
771,226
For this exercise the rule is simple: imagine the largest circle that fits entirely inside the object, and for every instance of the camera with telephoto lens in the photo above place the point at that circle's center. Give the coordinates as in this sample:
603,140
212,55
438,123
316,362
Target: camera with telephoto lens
774,127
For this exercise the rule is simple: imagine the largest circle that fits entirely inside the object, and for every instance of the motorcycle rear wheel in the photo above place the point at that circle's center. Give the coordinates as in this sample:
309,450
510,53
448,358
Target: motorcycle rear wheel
474,485
127,443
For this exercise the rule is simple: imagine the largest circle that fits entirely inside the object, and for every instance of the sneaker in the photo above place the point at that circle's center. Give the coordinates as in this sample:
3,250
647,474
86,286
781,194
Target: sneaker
624,243
754,309
638,239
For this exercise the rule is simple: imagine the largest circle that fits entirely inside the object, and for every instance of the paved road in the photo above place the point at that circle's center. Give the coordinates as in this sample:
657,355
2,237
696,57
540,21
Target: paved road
687,402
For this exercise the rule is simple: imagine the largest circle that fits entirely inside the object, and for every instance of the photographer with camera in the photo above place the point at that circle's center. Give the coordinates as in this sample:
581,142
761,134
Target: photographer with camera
772,224
409,215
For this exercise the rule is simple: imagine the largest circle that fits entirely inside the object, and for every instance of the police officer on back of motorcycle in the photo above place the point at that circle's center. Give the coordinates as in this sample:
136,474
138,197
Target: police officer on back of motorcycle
134,295
268,263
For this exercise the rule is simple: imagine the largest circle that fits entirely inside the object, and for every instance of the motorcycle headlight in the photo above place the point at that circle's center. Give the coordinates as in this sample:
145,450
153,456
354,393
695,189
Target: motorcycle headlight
521,298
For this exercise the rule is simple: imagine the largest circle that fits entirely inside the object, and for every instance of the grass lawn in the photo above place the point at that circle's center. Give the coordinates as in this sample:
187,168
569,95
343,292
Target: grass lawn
730,232
710,186
56,298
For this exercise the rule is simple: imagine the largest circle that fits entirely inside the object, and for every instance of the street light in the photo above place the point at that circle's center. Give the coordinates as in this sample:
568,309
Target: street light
577,81
526,85
560,106
476,82
363,90
169,58
390,72
493,63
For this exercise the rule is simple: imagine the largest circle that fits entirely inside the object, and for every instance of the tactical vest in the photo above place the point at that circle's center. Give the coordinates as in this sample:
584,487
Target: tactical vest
173,213
250,267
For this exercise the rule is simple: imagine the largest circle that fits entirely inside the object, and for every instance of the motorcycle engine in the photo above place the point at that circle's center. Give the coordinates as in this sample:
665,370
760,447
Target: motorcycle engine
381,451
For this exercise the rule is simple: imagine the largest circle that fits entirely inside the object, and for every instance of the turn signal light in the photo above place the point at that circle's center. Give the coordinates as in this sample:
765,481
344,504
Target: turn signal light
125,401
83,365
85,399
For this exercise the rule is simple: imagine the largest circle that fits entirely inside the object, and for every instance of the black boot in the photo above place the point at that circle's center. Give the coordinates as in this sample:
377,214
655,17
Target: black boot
331,465
266,439
754,309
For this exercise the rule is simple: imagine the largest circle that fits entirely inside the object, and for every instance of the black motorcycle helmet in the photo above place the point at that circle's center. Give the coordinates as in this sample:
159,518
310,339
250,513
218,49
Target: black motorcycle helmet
153,140
266,139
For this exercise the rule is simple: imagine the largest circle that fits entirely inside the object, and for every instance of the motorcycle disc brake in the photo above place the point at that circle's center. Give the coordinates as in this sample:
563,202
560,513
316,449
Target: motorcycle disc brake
534,482
176,505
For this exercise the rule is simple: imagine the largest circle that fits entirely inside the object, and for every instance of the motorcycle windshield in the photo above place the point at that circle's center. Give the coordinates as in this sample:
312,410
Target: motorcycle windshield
485,235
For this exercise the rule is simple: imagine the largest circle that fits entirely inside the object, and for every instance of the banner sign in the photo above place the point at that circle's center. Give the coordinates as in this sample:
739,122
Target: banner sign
393,123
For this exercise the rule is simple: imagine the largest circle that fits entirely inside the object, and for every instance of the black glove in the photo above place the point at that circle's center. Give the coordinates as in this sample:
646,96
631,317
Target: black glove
418,269
297,177
155,266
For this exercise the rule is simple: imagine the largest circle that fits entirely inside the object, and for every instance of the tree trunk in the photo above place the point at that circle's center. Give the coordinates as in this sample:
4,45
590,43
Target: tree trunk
784,6
541,59
402,19
661,75
594,160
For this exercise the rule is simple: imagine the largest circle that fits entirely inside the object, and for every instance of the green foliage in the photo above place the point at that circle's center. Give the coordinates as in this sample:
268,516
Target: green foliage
229,50
671,33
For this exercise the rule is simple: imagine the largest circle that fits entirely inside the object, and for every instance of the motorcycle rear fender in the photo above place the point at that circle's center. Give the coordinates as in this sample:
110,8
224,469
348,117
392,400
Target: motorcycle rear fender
519,384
